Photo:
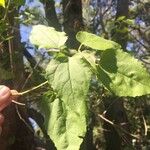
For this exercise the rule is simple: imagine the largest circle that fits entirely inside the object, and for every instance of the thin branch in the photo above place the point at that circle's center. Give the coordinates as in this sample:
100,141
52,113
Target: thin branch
105,119
18,103
23,120
117,126
31,73
145,125
53,50
34,88
139,41
30,90
108,8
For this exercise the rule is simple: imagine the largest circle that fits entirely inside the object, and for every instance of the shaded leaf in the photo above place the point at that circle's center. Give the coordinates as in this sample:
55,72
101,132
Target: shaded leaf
95,42
123,75
47,37
5,74
18,2
69,77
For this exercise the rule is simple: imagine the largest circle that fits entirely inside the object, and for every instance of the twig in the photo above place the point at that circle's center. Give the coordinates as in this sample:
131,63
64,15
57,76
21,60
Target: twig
18,103
53,50
29,76
147,48
145,125
22,119
30,90
105,119
34,88
108,8
117,126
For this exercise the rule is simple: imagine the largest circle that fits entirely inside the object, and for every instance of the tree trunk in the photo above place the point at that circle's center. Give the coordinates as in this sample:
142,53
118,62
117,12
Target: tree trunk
72,10
15,135
51,14
115,111
73,23
115,136
120,33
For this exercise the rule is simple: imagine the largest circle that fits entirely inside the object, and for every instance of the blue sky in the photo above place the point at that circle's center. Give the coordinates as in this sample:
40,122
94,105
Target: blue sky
25,30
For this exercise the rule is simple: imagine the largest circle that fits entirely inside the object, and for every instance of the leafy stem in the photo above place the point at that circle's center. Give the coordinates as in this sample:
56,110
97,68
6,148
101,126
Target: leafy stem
79,49
30,90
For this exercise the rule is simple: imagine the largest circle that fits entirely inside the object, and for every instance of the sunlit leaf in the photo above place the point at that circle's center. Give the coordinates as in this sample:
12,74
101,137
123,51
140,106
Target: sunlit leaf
47,37
121,18
95,42
123,75
89,58
2,3
130,21
67,121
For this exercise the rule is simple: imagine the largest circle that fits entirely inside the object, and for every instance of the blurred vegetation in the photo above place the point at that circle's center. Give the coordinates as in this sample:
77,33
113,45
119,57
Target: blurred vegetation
21,66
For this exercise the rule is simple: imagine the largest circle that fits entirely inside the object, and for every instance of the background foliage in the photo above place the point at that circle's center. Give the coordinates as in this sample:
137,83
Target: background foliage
69,73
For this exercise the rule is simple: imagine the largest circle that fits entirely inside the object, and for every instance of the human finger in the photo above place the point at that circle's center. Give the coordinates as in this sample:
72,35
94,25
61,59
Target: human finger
1,119
14,94
5,95
4,105
1,122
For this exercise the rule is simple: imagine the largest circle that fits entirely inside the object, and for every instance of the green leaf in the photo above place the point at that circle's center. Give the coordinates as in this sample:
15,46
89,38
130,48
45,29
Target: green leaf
68,116
121,18
123,75
2,3
95,42
47,37
130,21
89,58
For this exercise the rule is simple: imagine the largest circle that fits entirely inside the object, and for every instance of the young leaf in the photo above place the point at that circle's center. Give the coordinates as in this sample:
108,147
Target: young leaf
95,42
2,3
89,58
123,75
68,121
47,37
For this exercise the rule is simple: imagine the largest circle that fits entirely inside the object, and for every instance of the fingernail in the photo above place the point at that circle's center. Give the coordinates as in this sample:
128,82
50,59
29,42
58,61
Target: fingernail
3,90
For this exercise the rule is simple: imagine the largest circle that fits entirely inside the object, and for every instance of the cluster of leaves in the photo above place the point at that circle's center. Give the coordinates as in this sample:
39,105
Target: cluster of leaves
17,2
2,3
120,73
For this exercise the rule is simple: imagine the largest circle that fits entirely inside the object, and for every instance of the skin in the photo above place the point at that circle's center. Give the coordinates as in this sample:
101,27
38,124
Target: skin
5,100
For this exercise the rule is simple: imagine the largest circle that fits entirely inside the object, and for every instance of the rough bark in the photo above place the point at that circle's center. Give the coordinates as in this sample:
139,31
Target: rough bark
115,136
117,35
72,10
51,14
115,111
